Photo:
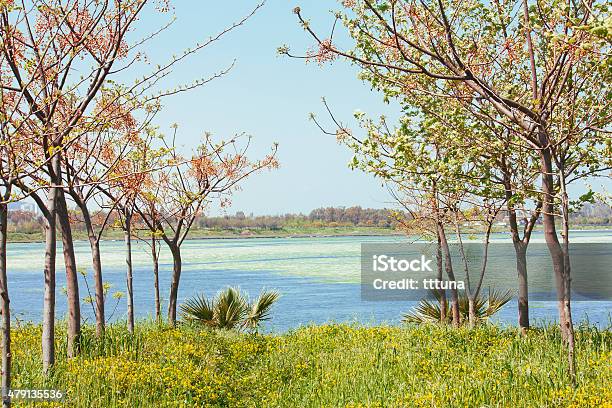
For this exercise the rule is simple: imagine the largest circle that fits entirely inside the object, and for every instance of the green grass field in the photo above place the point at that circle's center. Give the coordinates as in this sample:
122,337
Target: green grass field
329,365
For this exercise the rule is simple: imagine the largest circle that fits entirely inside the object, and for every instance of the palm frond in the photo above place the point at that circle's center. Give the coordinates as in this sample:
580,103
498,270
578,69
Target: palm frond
230,308
259,311
198,309
496,300
428,311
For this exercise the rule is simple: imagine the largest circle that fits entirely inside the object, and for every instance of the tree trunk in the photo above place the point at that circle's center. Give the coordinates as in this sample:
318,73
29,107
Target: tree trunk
557,254
569,326
48,325
96,263
451,275
128,261
441,292
472,311
176,276
72,281
4,308
520,250
156,278
99,286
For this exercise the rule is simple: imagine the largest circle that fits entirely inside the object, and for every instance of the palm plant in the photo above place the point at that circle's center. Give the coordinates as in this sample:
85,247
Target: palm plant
230,309
428,311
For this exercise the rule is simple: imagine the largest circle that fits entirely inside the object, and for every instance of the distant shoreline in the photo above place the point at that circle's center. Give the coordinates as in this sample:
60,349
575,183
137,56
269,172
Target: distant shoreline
199,235
325,232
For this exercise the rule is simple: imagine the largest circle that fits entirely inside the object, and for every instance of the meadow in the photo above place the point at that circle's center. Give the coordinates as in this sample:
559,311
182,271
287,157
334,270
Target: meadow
320,366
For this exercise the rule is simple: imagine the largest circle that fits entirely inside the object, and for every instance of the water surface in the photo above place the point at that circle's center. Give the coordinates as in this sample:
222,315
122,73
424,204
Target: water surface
317,277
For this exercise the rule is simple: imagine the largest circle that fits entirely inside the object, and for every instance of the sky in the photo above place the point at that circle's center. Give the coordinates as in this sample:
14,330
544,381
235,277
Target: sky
269,97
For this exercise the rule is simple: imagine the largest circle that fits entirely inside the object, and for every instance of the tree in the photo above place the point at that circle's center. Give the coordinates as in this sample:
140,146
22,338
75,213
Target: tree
213,172
43,44
131,176
41,47
508,171
148,210
529,70
517,172
93,163
56,58
13,149
429,176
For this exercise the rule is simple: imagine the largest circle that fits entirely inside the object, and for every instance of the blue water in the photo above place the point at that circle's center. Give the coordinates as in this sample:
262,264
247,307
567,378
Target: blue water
317,277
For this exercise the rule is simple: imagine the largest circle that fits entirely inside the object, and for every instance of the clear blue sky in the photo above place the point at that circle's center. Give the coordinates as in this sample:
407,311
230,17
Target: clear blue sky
269,97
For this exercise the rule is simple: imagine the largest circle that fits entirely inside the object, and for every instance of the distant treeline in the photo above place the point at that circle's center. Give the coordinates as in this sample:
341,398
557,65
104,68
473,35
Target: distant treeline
29,222
597,213
320,217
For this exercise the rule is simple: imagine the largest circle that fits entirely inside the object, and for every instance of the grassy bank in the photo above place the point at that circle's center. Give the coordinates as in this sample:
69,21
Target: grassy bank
233,233
331,365
284,232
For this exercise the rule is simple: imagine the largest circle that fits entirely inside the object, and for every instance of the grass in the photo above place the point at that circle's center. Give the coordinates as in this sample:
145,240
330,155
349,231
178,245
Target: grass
289,231
328,365
284,232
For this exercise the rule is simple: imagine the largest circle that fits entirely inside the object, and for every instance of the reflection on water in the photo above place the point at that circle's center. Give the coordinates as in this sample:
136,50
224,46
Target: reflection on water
318,278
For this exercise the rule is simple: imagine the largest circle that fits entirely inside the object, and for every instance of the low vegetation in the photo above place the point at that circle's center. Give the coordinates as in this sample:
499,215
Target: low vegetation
230,309
328,365
429,310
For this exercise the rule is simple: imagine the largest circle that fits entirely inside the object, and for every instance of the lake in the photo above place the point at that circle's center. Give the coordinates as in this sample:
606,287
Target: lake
319,279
